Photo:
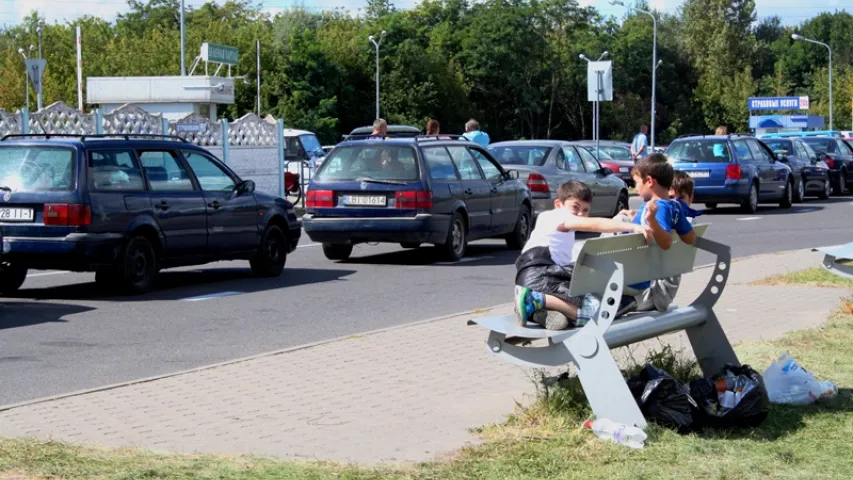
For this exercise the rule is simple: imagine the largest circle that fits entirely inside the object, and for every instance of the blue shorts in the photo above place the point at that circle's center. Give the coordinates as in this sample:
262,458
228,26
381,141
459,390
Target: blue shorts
641,286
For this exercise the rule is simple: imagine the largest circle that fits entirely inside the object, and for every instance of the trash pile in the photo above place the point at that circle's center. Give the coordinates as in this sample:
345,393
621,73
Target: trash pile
789,383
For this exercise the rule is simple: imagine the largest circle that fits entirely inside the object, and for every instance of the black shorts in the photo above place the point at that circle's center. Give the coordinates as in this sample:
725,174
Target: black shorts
536,271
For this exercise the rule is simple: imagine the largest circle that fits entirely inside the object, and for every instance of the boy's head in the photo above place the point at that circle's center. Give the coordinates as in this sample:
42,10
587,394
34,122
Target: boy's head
653,176
574,196
682,187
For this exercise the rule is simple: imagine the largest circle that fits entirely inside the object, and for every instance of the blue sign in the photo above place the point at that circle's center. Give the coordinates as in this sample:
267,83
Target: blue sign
786,121
778,103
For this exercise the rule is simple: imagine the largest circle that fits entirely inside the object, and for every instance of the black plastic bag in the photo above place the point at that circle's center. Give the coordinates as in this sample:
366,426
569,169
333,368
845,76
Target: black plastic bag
663,400
747,408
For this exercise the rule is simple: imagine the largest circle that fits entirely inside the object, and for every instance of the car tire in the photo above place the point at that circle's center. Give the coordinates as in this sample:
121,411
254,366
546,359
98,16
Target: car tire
11,277
842,183
136,269
827,189
271,256
410,245
710,206
337,251
750,203
800,196
519,235
788,195
621,204
454,247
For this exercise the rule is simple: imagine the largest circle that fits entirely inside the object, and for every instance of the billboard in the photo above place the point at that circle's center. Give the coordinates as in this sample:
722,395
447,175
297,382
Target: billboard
778,103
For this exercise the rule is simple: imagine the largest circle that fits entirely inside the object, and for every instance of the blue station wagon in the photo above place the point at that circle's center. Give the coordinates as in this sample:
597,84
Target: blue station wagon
733,169
127,207
443,191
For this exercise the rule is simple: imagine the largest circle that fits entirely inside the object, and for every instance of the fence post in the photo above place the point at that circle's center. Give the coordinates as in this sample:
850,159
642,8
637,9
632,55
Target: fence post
280,138
165,125
99,122
25,121
225,143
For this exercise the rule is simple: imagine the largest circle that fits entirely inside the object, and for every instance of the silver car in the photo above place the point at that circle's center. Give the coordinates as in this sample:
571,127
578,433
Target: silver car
547,164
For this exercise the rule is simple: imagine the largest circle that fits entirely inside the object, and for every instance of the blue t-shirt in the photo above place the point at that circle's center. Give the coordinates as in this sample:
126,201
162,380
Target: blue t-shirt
687,211
671,216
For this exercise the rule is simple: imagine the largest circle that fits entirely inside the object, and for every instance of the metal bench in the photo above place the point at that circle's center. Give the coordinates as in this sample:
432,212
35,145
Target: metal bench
831,257
604,267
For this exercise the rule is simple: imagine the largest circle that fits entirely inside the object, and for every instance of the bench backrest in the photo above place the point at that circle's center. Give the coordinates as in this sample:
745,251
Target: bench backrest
640,261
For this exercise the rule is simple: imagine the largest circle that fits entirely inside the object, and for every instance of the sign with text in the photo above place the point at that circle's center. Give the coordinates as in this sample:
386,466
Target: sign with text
190,127
778,103
35,70
213,53
599,81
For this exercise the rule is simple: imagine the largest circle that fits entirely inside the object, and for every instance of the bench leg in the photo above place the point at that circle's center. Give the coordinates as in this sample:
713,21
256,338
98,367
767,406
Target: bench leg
602,381
831,264
711,346
554,355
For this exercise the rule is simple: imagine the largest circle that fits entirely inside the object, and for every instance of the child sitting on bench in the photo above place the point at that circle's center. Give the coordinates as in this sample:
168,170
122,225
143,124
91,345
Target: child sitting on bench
544,268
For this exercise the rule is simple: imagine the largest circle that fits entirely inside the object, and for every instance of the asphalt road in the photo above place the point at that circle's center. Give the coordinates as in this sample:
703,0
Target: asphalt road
59,334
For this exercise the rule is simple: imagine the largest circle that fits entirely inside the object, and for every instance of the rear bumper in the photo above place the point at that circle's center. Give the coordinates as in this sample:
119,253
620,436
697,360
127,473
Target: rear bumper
733,193
76,251
422,228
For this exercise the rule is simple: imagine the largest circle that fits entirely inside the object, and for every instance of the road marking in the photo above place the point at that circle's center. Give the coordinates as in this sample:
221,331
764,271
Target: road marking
744,219
210,296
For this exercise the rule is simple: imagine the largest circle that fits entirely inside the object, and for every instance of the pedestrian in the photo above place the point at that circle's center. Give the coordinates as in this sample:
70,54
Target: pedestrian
432,127
474,134
719,149
640,144
380,127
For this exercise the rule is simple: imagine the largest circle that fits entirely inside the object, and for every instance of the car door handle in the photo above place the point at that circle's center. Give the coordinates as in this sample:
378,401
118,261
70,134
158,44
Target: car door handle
214,204
163,205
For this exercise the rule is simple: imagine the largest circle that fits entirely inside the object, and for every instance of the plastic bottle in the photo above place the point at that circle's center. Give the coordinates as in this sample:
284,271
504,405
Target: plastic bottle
605,429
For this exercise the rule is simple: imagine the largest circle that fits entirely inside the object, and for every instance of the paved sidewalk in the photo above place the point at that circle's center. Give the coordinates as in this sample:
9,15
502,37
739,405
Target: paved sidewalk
407,393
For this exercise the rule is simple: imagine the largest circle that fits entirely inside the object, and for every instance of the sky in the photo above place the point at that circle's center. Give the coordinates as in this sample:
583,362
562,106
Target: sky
11,11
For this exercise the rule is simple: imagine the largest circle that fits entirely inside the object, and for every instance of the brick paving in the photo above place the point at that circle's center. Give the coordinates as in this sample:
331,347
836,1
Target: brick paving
404,394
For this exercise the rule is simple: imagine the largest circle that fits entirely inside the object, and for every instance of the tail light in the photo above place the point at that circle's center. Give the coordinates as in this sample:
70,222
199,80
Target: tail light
733,172
417,200
319,198
67,214
829,162
537,183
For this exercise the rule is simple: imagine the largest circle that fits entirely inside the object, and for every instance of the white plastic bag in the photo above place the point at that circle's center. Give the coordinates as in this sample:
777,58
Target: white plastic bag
789,383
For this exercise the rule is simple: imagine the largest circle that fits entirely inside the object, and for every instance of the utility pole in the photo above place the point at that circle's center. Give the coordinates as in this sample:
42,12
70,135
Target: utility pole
377,43
183,43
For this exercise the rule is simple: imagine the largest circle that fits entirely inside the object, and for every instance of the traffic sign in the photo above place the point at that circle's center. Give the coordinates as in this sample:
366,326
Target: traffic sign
35,70
599,81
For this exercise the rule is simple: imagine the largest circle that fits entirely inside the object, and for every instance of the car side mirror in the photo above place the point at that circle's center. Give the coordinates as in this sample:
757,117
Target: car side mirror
511,174
606,171
247,186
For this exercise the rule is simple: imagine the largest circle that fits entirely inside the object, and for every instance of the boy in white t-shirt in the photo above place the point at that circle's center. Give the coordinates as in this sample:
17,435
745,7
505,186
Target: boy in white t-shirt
544,268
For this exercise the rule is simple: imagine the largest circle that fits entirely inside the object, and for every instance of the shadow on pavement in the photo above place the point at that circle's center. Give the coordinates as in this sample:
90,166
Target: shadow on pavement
15,314
476,255
808,206
181,284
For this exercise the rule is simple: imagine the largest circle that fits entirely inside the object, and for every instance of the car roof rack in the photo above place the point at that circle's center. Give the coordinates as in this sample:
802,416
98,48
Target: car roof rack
126,136
439,137
692,135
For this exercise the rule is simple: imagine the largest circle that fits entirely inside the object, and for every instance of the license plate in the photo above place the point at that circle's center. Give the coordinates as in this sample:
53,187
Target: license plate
699,173
624,169
16,214
365,200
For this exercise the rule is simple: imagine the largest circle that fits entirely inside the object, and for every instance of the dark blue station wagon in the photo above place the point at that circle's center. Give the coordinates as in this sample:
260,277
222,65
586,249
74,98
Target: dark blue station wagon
442,191
127,207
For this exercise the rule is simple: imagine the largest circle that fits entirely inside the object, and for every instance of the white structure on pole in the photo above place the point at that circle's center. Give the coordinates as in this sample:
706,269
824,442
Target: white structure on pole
654,62
796,36
376,43
595,97
79,70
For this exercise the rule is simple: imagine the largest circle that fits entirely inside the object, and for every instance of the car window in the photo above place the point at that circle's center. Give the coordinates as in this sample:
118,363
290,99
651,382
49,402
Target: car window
758,153
617,153
786,146
843,147
810,153
826,145
801,151
742,150
310,143
37,169
465,163
115,170
372,160
534,156
700,151
491,171
573,161
589,161
210,176
165,172
440,164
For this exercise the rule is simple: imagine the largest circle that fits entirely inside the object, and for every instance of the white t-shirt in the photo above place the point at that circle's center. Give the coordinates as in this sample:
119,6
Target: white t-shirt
546,234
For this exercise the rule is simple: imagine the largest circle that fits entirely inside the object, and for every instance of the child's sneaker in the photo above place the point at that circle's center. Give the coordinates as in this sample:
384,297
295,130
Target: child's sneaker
527,302
587,310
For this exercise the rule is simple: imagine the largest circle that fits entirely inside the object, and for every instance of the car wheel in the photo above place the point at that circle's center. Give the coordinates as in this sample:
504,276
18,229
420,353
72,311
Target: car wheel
337,251
801,191
453,248
750,204
842,182
519,236
827,189
621,204
410,245
788,195
271,255
11,277
710,206
137,266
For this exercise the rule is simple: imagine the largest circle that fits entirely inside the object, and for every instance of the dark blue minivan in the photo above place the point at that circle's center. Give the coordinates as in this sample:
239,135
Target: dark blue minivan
442,190
127,207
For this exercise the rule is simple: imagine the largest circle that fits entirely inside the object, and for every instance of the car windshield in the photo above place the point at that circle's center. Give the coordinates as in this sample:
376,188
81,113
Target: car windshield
601,154
311,144
36,169
617,153
370,162
530,155
699,151
779,145
821,144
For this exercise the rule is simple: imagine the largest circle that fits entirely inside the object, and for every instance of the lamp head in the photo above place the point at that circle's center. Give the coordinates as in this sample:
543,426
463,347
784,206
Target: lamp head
21,51
617,2
383,33
797,36
371,38
583,57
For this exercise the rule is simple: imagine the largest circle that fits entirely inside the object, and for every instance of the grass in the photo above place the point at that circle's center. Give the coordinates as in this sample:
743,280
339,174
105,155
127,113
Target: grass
546,441
814,277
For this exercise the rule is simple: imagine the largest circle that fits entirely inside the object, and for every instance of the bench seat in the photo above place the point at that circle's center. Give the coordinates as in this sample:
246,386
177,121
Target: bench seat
831,258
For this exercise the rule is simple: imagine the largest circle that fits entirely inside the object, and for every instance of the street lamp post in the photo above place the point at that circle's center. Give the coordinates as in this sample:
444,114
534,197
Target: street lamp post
38,96
26,78
804,39
654,61
377,43
595,104
183,42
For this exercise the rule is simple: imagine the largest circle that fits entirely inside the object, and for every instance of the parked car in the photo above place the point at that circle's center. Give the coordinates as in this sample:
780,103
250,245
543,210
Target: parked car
127,207
393,131
622,168
733,169
838,156
547,164
617,150
413,191
811,175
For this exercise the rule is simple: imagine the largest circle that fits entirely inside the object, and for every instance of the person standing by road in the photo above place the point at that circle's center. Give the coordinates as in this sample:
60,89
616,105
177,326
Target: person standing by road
640,144
474,134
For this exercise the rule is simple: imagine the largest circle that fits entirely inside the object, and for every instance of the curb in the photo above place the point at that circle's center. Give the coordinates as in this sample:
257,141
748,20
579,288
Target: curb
304,346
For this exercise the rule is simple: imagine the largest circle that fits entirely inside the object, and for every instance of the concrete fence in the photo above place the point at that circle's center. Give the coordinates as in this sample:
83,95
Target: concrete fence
253,147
